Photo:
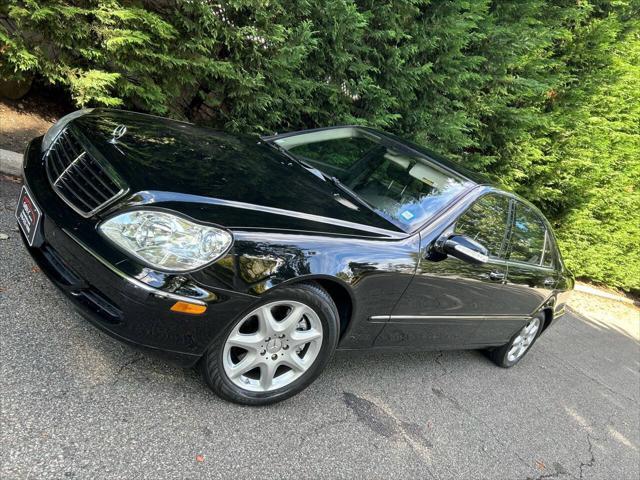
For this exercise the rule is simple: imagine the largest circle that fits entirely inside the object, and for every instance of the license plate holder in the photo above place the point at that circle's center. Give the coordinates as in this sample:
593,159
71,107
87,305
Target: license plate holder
29,217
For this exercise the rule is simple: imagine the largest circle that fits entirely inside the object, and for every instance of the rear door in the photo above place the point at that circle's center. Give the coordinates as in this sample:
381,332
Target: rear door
531,274
447,301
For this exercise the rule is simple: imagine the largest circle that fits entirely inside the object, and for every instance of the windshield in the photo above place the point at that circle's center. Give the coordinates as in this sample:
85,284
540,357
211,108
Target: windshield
403,187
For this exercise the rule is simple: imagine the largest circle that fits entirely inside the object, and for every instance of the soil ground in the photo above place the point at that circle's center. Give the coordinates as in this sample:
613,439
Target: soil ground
21,120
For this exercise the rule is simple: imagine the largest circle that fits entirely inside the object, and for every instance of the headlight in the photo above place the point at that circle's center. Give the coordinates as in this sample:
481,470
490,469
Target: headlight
55,130
166,241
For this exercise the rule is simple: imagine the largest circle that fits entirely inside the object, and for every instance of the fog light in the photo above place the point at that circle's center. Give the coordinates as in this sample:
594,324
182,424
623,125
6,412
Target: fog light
184,307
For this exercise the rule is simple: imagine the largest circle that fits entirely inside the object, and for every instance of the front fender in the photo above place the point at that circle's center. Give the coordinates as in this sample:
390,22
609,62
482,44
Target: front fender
374,272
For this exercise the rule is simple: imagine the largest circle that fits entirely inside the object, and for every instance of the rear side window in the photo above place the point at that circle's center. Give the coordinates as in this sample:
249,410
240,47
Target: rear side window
486,222
530,242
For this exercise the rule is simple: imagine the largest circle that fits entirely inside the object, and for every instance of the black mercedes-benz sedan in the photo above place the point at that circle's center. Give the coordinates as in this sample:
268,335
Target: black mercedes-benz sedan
256,258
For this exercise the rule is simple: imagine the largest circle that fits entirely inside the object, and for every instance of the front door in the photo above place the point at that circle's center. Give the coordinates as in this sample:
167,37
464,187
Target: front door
447,301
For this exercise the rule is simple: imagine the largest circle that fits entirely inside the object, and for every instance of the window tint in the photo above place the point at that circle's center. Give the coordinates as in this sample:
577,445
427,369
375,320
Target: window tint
486,222
401,186
529,242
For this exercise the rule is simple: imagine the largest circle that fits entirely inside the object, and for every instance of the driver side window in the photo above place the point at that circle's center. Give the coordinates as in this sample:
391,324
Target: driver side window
486,222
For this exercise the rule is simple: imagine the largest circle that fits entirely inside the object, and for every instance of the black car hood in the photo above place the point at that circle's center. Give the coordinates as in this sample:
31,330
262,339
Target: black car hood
232,180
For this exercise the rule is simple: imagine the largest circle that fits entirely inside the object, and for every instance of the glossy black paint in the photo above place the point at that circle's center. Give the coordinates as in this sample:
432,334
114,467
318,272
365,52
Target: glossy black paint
289,226
216,175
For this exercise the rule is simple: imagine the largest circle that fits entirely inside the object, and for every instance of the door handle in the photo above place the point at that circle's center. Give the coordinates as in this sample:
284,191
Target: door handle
496,276
549,282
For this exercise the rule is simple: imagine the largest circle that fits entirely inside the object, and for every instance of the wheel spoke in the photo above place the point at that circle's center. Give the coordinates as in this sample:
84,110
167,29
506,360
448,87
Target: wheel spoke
290,322
249,362
248,342
513,351
267,321
302,337
267,372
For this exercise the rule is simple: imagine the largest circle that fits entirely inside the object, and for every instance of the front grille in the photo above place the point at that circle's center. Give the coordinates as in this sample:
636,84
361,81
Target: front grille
84,182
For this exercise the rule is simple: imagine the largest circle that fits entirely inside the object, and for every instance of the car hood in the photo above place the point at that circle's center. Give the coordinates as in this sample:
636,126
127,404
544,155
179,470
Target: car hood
236,181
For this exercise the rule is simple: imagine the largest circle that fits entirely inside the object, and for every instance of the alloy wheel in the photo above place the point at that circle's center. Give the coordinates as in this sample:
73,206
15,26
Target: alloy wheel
272,346
524,340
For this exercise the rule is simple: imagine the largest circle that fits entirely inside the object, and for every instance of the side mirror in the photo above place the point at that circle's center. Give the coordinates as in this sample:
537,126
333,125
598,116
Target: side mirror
466,249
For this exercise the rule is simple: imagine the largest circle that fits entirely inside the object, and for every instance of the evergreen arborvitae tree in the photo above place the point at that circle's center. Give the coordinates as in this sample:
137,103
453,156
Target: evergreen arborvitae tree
592,168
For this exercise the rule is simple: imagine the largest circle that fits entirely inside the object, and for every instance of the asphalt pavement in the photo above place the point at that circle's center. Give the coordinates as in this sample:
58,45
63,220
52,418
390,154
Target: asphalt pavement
78,404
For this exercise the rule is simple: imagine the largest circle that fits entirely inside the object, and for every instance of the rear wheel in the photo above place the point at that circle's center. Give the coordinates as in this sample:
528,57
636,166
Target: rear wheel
275,350
511,353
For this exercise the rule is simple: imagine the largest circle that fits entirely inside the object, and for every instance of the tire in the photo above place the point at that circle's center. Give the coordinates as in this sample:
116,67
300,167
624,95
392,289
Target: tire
271,338
508,355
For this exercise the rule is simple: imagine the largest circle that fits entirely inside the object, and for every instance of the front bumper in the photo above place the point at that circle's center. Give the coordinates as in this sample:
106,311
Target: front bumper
115,300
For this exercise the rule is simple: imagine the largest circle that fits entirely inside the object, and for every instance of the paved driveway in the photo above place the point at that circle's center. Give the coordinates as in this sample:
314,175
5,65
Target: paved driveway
77,404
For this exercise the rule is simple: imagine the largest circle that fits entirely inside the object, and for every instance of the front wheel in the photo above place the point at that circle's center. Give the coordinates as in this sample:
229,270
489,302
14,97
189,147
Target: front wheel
511,353
277,349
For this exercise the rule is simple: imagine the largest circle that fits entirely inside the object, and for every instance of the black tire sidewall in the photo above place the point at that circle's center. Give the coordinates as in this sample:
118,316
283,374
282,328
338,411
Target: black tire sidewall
314,297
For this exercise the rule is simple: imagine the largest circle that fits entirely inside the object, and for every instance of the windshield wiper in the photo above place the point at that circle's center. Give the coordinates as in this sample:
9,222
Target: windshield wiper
324,176
318,173
351,193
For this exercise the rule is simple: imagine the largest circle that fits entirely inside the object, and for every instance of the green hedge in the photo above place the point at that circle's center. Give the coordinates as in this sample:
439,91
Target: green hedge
543,95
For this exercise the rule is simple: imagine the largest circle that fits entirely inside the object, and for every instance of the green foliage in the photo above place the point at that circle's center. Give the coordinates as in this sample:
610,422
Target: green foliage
597,145
542,94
